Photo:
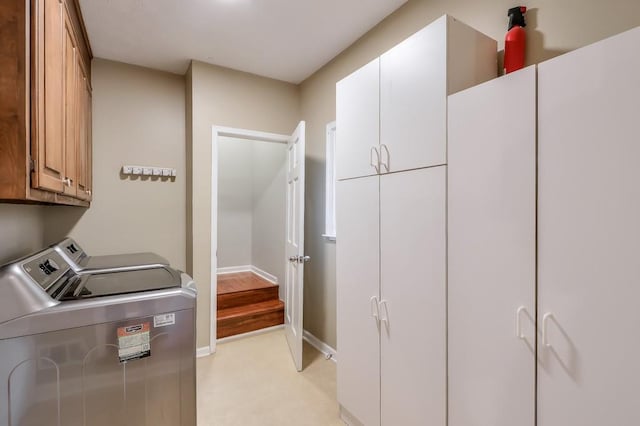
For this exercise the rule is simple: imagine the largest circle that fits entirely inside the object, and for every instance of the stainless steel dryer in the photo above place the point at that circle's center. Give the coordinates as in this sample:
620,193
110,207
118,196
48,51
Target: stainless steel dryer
114,348
80,261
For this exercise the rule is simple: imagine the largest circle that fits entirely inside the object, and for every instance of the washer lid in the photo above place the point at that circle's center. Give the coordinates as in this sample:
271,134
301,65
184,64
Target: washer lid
131,260
115,283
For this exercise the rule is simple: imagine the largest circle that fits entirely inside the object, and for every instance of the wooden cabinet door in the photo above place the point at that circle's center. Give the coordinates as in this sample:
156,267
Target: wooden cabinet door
413,340
49,133
357,268
83,160
492,252
70,50
588,235
413,100
357,123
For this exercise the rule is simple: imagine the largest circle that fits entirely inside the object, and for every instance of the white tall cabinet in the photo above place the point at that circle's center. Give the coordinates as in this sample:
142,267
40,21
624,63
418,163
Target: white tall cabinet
492,252
391,113
589,235
391,223
583,294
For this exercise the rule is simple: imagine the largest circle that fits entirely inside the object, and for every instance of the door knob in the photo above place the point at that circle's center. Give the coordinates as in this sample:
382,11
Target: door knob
299,259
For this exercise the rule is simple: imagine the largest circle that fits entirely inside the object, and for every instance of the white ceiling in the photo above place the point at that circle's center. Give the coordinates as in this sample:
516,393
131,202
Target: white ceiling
283,39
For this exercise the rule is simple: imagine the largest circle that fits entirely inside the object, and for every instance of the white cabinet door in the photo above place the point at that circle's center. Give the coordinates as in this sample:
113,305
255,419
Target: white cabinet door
413,100
589,235
492,252
413,291
357,122
358,278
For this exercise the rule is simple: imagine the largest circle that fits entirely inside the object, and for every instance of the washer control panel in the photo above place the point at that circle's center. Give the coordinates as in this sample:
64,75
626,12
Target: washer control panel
46,269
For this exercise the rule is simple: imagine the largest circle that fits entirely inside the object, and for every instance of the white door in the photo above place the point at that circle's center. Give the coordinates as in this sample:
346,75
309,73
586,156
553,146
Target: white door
358,294
413,100
589,234
358,118
294,285
492,252
413,340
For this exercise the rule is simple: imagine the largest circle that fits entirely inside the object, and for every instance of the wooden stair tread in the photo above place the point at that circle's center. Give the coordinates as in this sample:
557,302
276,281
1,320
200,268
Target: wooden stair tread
241,281
250,310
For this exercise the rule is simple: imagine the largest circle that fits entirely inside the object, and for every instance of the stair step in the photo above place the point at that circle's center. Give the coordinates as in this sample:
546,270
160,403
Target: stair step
247,297
241,281
242,319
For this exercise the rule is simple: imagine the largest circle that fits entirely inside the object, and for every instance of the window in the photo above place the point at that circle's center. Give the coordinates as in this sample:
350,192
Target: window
330,184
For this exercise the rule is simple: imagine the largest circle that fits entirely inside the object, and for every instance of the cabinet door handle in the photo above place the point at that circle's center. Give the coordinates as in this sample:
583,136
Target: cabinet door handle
66,181
375,313
375,165
385,318
545,337
519,334
385,163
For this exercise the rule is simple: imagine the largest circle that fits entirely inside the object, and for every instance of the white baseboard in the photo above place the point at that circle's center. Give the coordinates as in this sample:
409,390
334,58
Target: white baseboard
248,268
267,276
327,350
202,352
348,418
234,269
250,333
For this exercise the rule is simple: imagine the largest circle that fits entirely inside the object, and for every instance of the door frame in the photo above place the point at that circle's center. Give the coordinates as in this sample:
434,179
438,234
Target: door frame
218,132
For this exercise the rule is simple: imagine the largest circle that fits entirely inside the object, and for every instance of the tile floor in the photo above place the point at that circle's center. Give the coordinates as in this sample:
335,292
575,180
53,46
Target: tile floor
252,382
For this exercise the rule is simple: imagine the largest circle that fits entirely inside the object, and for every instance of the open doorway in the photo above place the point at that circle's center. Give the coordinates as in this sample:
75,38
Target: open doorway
257,233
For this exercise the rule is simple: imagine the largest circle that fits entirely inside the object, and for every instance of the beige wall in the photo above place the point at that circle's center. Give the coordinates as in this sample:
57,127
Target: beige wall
553,27
138,118
224,97
270,209
21,230
235,202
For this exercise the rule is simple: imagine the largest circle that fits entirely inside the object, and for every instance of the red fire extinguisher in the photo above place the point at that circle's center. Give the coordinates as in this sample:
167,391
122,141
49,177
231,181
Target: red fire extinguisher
515,41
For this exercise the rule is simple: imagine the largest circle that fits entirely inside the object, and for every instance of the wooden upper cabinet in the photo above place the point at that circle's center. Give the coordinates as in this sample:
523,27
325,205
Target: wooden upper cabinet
71,101
48,152
83,147
44,98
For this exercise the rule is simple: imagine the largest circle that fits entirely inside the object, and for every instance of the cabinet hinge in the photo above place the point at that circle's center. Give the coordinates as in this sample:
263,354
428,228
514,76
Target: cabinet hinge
32,164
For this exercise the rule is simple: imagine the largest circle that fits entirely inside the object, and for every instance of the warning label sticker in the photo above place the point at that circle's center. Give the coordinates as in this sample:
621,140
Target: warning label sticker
164,320
134,342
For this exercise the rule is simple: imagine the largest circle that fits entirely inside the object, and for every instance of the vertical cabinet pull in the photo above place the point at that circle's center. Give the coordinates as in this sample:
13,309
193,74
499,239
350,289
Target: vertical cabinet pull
545,337
519,312
376,164
385,149
375,313
385,309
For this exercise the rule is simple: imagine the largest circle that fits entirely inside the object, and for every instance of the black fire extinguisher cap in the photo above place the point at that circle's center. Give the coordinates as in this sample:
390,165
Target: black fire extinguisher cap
516,16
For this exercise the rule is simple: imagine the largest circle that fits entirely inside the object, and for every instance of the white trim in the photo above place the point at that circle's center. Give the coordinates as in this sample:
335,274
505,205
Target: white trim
234,269
203,351
248,268
263,274
217,132
348,418
330,183
327,350
250,333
